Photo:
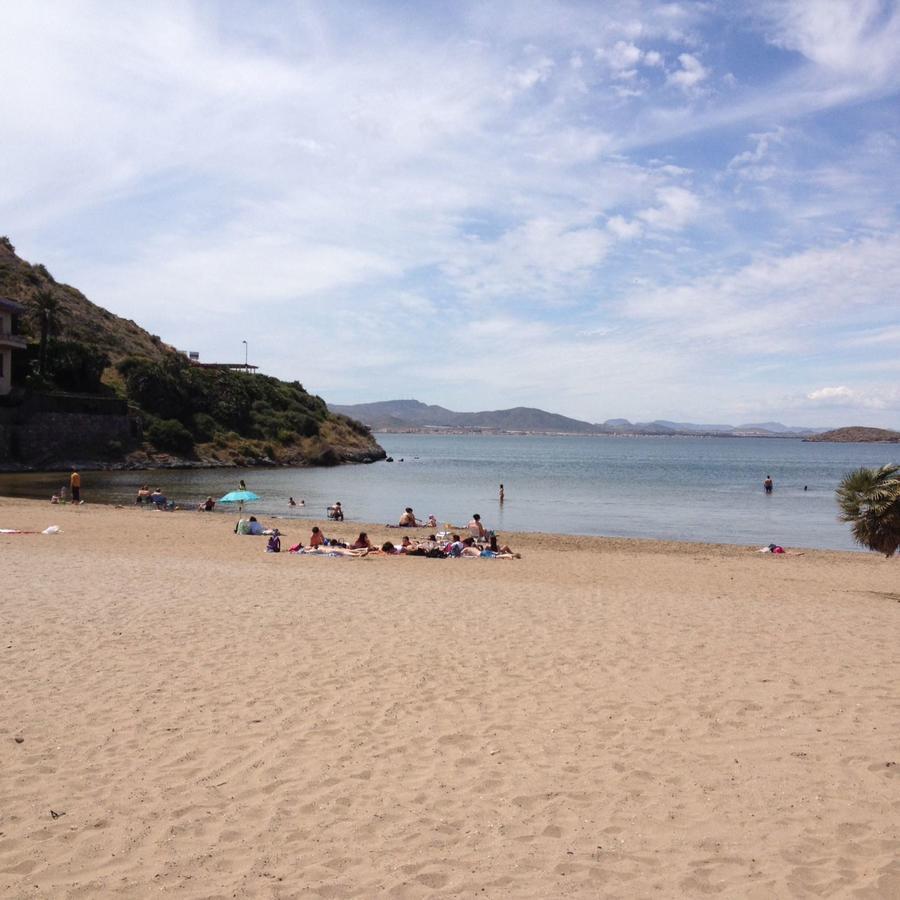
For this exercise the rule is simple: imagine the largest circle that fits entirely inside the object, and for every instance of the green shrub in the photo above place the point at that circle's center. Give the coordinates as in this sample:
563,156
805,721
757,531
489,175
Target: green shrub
205,427
170,435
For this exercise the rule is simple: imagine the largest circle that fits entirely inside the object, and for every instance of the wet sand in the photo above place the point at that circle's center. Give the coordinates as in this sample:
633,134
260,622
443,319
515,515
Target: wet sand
602,718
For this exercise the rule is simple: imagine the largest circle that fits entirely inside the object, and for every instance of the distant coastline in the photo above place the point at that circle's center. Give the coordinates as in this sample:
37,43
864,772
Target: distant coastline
415,417
437,430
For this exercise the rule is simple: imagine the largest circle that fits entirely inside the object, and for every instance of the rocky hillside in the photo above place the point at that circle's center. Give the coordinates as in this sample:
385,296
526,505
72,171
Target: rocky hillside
192,415
858,434
76,318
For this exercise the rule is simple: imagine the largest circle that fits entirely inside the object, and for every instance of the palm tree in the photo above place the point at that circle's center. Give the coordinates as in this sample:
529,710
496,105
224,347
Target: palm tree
47,306
870,502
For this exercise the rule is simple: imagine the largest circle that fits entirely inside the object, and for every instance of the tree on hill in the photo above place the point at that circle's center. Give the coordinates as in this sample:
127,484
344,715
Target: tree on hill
870,502
47,307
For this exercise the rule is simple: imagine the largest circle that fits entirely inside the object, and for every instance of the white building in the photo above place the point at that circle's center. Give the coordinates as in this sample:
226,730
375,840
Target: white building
9,341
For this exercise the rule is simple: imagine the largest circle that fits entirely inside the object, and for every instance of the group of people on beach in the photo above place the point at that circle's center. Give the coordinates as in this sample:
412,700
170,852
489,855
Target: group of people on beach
157,499
478,542
433,546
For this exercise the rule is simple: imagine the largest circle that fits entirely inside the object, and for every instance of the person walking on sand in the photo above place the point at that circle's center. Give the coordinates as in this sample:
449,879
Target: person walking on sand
75,486
768,484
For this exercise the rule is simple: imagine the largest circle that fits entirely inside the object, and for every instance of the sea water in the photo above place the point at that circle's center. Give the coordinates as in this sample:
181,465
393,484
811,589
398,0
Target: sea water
672,488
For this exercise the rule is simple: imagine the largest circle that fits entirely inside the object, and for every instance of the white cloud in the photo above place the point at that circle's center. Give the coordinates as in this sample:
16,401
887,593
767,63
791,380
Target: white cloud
691,73
756,164
798,304
676,207
877,337
542,257
624,229
832,394
536,73
847,36
845,397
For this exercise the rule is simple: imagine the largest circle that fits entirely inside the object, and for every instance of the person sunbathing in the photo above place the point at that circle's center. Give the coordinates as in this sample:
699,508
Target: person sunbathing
362,542
455,547
476,529
388,549
316,539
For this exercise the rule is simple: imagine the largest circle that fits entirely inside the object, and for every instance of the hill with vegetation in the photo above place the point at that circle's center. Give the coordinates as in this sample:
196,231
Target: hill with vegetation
858,434
191,414
402,415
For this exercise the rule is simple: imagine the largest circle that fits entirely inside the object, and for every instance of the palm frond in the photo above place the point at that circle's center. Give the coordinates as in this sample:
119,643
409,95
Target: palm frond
869,500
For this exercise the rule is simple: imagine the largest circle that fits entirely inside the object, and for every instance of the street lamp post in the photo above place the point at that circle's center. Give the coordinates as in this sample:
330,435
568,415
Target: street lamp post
246,357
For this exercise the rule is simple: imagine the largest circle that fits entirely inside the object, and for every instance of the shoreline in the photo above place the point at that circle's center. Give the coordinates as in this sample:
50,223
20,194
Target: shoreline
350,528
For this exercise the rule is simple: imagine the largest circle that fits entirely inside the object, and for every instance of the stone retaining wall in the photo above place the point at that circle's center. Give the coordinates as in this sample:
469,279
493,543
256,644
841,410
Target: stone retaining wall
40,440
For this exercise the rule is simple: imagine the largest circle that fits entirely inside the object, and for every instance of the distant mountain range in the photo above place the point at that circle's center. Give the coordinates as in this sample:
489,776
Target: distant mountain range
412,415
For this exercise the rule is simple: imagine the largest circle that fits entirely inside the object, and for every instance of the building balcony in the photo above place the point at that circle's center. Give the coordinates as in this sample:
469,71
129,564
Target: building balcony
13,341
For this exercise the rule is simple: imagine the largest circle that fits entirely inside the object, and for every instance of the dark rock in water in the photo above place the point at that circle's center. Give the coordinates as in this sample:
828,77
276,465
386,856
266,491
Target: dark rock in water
389,459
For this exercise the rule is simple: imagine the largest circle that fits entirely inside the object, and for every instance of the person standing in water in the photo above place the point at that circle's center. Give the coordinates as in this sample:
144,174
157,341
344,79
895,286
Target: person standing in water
502,494
768,484
75,486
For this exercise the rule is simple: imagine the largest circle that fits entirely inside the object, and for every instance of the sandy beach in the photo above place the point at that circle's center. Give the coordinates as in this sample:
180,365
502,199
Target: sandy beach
602,718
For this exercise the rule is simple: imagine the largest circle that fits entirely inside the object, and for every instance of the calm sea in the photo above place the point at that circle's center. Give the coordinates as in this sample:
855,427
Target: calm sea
692,489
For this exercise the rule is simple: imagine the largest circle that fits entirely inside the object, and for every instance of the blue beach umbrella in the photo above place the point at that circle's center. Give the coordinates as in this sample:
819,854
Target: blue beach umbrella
240,497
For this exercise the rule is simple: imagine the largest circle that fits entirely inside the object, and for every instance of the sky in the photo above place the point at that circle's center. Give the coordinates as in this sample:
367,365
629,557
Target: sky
649,210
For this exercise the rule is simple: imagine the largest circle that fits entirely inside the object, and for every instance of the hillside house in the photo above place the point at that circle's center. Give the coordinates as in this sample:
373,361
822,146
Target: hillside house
9,341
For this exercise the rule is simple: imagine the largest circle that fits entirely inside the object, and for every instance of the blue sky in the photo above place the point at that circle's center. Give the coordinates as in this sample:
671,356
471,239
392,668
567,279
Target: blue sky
685,211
